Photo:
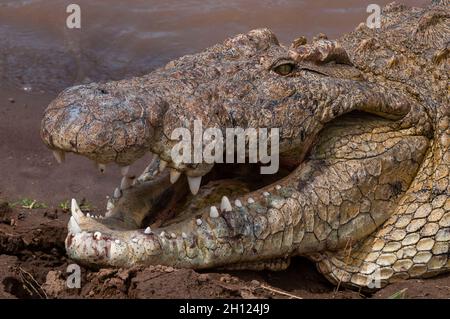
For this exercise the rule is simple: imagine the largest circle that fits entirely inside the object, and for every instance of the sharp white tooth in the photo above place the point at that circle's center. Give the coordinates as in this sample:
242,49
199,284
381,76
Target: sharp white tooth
76,211
163,233
125,183
199,222
88,215
109,205
59,156
238,203
266,194
213,212
174,175
74,228
225,205
117,241
173,235
124,170
97,235
148,230
183,235
117,193
278,187
250,200
194,184
101,167
162,165
135,240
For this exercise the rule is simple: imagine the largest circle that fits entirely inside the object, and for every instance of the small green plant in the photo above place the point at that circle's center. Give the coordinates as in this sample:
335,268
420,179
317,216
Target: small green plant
401,294
65,206
28,203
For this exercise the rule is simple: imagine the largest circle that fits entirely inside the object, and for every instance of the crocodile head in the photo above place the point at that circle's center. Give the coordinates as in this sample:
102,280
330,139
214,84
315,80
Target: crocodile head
348,149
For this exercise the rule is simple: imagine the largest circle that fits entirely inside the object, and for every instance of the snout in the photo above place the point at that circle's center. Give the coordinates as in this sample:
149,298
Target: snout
98,122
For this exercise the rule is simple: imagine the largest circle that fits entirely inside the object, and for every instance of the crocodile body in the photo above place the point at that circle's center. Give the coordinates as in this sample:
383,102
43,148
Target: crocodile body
364,152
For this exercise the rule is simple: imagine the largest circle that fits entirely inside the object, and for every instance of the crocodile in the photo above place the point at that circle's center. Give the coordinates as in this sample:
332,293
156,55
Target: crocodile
362,187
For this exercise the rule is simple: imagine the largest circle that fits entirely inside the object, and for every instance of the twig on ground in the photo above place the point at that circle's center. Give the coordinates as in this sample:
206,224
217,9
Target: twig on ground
29,281
280,292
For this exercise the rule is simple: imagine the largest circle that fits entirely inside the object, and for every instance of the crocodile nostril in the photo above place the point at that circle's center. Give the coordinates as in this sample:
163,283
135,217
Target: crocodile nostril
103,91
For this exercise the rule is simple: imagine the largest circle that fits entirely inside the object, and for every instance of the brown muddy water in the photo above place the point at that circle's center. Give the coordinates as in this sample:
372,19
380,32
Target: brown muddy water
39,56
123,38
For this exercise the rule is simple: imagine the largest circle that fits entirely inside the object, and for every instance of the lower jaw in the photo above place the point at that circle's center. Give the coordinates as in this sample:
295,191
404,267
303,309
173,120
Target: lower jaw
151,213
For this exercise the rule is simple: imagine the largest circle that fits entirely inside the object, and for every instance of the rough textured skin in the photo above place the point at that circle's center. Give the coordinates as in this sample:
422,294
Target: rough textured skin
365,119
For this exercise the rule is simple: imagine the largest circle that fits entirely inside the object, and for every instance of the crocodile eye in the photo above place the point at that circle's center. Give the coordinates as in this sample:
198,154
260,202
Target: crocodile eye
284,69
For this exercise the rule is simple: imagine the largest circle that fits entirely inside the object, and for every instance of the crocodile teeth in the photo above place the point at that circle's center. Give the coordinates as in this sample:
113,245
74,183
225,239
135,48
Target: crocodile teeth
125,183
117,193
75,209
194,184
101,167
88,215
173,235
109,205
124,170
250,200
162,165
278,187
238,203
174,175
98,235
199,222
59,156
266,194
213,212
74,228
148,230
225,205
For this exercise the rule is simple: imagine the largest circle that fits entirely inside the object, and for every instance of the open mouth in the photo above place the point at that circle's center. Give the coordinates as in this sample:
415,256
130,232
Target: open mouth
222,183
162,196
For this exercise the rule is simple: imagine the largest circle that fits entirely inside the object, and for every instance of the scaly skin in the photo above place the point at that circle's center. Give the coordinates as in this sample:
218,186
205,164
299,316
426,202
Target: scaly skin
364,119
